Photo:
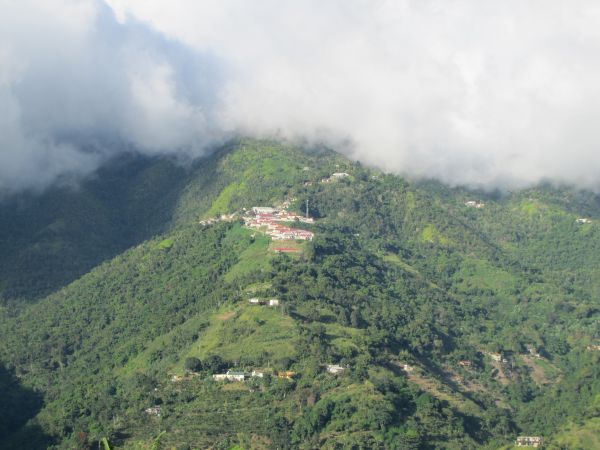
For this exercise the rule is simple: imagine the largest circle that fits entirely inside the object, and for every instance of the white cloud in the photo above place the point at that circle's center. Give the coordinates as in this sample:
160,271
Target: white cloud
477,92
77,87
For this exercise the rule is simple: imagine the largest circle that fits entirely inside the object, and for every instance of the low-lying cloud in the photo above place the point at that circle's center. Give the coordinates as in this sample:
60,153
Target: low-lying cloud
76,87
493,94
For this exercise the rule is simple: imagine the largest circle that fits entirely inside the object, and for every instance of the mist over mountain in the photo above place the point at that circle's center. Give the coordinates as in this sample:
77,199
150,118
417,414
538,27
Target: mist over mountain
76,88
500,94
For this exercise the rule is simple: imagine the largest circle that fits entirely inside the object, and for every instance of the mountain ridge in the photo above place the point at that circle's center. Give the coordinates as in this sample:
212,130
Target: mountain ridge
399,272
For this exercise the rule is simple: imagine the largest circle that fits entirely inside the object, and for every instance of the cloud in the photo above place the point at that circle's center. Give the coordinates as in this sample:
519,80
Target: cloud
493,94
76,87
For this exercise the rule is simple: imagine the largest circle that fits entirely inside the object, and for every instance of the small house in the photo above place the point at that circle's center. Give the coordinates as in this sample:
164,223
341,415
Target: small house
529,441
464,363
474,204
335,369
339,175
256,301
153,411
583,220
220,376
495,356
407,367
286,374
274,302
257,374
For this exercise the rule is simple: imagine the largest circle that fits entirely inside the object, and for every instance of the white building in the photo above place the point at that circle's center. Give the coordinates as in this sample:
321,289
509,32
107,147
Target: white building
529,441
407,367
339,175
303,235
474,204
274,302
231,375
153,411
335,369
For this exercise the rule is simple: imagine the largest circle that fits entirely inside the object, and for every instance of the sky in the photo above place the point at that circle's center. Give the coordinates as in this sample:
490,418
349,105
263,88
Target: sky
477,92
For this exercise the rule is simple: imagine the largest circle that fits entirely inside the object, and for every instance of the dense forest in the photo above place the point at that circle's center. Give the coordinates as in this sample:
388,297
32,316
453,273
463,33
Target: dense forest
458,319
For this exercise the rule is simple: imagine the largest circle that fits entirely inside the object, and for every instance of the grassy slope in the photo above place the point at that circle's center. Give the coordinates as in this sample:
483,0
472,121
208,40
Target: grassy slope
47,241
580,436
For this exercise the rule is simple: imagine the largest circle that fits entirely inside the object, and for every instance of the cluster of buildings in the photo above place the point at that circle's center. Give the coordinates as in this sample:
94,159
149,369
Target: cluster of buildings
272,218
239,375
593,348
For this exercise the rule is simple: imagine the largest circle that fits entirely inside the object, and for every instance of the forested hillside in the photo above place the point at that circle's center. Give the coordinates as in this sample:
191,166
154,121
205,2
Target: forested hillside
458,319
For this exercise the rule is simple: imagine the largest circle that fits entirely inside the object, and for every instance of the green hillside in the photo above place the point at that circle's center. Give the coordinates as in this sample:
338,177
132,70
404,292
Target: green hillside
132,305
51,239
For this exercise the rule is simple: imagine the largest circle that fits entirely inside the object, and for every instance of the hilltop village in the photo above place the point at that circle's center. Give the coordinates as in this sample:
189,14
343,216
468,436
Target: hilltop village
272,221
272,218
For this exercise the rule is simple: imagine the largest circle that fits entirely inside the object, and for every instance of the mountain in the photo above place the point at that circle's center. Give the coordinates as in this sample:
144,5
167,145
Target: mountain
449,318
